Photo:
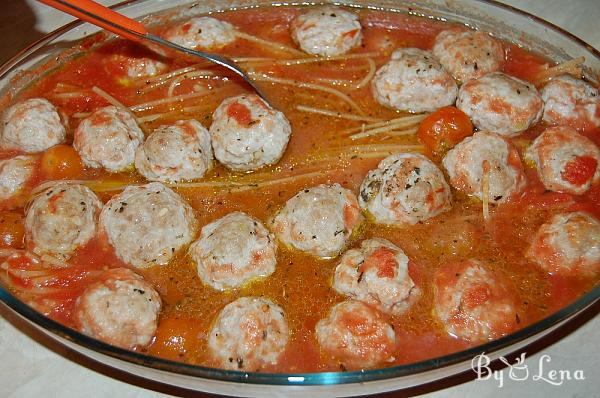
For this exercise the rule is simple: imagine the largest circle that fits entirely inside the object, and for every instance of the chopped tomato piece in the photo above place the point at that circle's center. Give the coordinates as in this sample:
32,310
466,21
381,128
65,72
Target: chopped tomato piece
383,260
351,216
444,128
240,113
352,33
358,325
580,170
52,202
476,296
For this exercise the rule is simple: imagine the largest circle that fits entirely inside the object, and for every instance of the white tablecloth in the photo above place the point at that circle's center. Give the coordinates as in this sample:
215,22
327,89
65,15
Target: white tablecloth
33,366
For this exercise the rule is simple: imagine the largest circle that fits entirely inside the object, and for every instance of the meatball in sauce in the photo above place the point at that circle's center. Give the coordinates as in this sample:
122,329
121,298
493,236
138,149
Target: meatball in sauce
248,334
108,139
147,224
473,302
468,54
413,81
318,220
31,126
120,309
327,31
377,274
404,189
234,250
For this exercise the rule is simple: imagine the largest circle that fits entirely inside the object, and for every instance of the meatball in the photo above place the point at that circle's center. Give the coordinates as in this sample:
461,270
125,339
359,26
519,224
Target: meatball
500,103
413,81
357,335
468,54
249,333
233,250
572,102
377,274
202,33
181,151
133,67
566,161
108,138
404,189
327,31
568,244
318,220
465,166
147,224
120,309
473,303
247,134
61,219
14,174
31,126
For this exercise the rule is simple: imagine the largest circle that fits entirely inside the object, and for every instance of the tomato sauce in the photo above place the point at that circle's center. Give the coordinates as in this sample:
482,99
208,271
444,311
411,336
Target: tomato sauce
301,284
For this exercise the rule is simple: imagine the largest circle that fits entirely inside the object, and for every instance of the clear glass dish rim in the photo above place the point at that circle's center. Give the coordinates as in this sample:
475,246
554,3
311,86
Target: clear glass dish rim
322,378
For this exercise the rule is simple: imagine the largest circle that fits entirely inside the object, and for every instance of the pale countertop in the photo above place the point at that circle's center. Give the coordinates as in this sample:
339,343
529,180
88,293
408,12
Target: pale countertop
31,365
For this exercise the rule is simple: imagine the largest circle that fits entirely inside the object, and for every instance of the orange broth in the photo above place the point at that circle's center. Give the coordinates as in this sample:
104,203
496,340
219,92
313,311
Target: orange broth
301,283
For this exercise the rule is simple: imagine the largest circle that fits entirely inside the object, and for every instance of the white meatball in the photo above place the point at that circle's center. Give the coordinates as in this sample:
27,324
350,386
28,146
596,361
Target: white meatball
569,244
571,101
327,31
377,274
566,161
500,103
120,309
413,81
246,134
108,138
61,219
405,189
473,303
318,220
465,166
181,151
133,67
234,250
249,333
31,126
147,224
202,33
357,335
14,174
468,54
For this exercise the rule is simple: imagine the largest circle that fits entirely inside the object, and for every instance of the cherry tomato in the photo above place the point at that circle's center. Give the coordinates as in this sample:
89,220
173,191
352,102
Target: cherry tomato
444,128
61,162
12,230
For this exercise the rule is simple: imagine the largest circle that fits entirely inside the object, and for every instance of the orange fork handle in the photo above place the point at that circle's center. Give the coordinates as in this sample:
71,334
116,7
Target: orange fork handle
99,15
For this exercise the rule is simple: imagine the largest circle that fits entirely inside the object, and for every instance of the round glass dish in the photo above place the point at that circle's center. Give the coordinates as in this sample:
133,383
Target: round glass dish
507,23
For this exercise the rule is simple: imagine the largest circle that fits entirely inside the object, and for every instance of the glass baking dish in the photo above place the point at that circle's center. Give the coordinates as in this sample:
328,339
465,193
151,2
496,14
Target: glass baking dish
506,22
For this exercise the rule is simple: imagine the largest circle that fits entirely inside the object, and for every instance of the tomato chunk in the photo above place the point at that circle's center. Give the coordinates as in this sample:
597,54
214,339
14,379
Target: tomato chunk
580,170
384,260
443,129
240,113
61,162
